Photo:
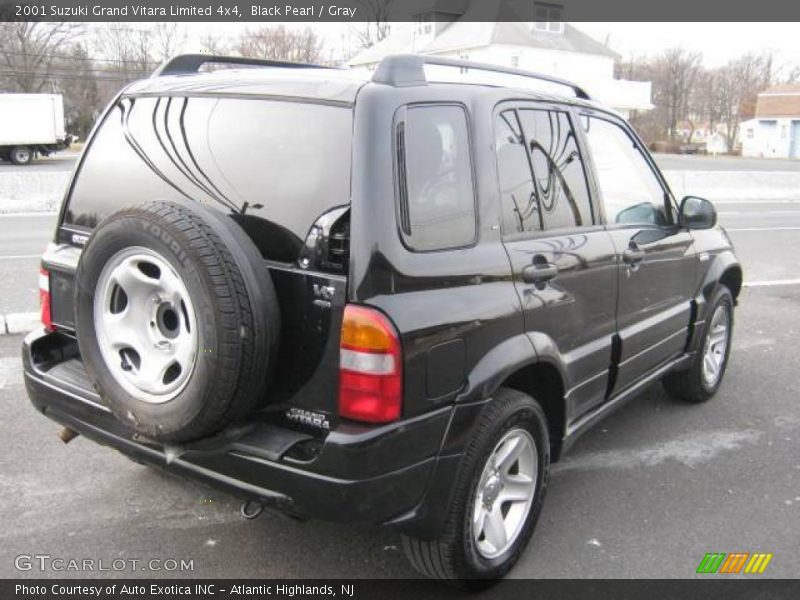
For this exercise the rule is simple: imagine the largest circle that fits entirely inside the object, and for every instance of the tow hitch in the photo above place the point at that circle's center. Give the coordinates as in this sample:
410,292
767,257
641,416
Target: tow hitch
66,435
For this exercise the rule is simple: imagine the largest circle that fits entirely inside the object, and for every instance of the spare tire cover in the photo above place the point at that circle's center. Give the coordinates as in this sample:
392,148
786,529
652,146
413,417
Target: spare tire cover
176,318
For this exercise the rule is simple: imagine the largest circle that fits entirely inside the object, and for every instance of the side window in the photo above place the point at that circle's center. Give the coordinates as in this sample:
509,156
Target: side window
517,194
630,189
557,169
437,197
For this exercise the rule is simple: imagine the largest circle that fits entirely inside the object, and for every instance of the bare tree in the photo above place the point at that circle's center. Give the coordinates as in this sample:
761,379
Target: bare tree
376,27
128,50
29,53
791,74
211,44
168,39
739,82
704,102
675,72
78,83
281,43
127,56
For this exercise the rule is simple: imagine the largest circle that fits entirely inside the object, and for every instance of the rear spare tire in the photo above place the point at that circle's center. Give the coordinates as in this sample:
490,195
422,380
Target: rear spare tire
176,318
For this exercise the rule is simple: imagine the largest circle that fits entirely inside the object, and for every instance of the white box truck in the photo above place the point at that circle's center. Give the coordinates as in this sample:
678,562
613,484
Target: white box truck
31,124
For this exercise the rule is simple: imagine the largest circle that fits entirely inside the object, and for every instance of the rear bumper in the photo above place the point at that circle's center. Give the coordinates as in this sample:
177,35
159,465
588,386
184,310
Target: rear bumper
377,475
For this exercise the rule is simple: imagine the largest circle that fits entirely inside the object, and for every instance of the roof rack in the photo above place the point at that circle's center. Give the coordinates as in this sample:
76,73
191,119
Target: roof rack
404,70
190,63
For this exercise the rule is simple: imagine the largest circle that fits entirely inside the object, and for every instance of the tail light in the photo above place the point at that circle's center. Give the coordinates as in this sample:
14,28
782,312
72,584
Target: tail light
370,368
44,299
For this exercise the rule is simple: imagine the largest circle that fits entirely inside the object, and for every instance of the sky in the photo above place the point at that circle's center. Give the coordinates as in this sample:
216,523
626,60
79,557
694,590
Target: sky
718,42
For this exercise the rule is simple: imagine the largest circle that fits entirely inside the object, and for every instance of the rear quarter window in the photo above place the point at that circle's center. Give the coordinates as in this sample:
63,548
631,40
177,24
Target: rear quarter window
434,166
289,162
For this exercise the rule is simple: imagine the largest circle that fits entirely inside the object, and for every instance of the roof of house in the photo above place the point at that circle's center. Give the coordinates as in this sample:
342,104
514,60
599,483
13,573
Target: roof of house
786,88
779,101
464,34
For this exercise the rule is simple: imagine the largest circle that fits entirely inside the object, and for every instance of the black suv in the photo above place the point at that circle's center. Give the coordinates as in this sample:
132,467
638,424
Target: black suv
390,300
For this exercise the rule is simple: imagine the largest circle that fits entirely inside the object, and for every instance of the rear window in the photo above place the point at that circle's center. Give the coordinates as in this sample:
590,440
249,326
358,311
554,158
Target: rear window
288,162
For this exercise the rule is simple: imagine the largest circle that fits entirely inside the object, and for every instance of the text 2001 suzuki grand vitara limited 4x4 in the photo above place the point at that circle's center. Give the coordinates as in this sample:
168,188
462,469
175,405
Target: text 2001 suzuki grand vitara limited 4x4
386,300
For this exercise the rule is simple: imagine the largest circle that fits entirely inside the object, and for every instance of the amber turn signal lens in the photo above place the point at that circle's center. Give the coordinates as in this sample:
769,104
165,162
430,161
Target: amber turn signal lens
366,330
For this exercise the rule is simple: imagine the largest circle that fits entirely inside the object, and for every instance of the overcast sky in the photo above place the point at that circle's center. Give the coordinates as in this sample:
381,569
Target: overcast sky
718,42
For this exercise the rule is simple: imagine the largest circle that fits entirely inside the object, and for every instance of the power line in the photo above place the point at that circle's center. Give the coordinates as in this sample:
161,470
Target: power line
55,77
73,58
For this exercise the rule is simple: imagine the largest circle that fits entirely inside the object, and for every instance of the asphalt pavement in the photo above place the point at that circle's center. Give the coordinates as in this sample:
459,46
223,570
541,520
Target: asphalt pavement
681,162
645,494
23,238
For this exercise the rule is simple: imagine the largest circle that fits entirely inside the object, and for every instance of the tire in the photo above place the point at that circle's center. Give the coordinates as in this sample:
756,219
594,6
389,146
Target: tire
187,346
693,384
456,555
21,155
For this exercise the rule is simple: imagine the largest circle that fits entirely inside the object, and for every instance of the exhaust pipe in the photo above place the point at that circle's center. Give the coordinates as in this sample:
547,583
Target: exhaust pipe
66,435
251,510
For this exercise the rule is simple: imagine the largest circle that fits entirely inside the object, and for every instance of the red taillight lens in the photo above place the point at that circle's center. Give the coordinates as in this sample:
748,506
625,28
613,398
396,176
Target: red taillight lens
44,299
370,367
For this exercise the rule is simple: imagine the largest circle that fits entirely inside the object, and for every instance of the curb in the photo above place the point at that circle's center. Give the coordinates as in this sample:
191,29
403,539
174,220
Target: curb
16,323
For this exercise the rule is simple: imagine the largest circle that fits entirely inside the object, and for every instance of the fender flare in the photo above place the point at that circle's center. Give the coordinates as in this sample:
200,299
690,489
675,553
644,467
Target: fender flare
721,264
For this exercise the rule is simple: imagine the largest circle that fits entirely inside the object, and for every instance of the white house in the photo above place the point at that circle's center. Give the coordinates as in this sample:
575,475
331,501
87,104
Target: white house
548,46
775,130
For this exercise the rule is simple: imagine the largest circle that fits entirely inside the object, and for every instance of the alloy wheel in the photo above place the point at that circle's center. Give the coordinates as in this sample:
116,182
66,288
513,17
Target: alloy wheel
505,493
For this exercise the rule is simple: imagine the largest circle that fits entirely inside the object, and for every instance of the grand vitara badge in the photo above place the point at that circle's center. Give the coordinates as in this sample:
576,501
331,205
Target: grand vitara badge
308,417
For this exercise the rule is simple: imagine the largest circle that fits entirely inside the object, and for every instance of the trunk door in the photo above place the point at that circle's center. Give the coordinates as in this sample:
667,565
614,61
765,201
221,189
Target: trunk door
281,169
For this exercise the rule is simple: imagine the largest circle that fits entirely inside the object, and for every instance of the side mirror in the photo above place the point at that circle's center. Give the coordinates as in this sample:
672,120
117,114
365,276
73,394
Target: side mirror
697,213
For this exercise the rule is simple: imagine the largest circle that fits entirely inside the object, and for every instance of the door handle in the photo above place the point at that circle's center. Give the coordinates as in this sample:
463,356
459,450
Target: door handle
633,254
539,272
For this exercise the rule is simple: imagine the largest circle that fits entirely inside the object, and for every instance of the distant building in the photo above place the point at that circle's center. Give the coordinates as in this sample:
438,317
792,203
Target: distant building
710,138
548,46
774,132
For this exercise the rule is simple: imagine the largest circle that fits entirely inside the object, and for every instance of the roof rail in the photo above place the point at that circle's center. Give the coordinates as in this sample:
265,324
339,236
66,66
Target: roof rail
404,70
191,63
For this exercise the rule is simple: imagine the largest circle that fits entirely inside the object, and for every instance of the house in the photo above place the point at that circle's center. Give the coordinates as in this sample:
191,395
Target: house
547,45
775,130
710,138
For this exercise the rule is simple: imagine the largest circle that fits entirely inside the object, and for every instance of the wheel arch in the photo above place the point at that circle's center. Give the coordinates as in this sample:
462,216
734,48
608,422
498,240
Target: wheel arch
542,380
529,363
732,278
725,269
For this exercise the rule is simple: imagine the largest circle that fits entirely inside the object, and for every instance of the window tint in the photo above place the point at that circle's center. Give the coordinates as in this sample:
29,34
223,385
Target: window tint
293,159
629,187
557,169
517,194
436,194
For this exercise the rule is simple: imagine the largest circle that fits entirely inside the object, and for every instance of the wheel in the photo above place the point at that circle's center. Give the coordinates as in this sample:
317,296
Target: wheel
497,497
176,318
702,379
21,155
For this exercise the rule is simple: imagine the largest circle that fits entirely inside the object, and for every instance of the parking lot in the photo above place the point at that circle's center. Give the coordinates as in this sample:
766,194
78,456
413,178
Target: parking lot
645,494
